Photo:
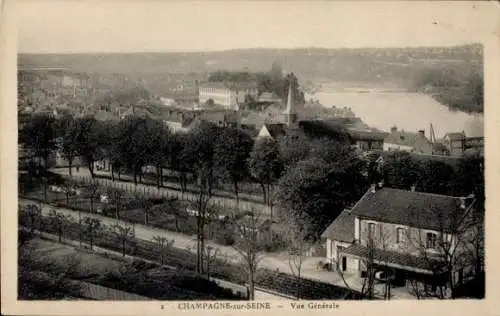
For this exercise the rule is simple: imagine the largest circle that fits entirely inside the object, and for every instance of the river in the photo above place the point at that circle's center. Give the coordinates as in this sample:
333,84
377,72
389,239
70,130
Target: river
405,110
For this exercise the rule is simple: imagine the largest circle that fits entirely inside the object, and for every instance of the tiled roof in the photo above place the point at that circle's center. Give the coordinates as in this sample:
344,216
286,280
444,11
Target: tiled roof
391,257
415,209
420,143
342,228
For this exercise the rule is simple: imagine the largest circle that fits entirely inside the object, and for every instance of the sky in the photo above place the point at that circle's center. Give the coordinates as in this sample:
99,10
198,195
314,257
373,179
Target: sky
63,26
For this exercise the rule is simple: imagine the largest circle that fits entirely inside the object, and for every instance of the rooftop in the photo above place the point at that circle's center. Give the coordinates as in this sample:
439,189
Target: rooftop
415,209
419,142
342,228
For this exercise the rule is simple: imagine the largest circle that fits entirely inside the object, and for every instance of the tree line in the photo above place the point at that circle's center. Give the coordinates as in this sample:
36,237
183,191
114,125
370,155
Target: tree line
311,179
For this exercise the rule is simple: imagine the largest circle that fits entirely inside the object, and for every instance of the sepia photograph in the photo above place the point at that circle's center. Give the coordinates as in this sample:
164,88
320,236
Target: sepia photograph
237,155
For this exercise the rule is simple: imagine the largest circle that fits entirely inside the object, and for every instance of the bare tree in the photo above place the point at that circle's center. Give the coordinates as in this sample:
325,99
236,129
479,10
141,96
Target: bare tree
145,204
59,220
93,189
202,212
34,213
248,243
92,226
446,249
163,245
69,190
297,246
210,255
115,195
124,234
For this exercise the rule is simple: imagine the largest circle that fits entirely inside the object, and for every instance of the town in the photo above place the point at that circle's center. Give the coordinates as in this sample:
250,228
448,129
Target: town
237,187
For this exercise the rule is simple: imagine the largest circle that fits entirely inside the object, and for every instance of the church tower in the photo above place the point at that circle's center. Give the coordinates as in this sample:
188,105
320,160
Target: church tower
290,113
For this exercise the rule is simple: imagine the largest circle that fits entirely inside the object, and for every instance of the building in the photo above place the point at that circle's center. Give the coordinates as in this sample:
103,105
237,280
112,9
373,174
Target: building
227,95
272,130
407,141
458,143
406,234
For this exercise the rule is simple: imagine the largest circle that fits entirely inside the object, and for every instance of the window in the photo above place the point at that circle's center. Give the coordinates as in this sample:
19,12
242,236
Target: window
371,230
431,241
401,236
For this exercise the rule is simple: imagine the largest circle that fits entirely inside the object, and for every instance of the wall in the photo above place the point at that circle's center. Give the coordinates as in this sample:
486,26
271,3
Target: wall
224,97
390,146
386,237
332,255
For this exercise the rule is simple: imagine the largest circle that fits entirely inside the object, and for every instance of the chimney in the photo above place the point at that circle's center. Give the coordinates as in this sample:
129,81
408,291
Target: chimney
462,203
421,133
394,129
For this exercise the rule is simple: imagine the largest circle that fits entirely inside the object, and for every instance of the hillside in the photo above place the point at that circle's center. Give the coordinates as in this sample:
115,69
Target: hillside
311,65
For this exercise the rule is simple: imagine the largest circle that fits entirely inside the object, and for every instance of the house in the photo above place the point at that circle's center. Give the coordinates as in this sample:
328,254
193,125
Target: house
136,111
458,143
406,234
227,95
455,142
407,141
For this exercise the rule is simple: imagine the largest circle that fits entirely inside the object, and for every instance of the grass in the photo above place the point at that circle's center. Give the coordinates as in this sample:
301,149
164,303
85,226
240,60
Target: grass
186,261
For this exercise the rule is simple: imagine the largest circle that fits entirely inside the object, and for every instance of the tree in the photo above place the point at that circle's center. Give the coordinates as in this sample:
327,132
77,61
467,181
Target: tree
232,150
400,170
92,227
93,189
146,204
320,190
93,139
125,235
266,166
38,135
69,190
34,213
203,214
70,133
294,147
248,243
199,151
163,245
59,220
434,177
297,246
176,159
451,243
115,197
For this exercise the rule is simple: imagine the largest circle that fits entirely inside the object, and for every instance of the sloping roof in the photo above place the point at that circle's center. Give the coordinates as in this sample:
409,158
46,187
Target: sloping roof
320,128
455,136
419,142
137,112
392,257
276,130
342,228
415,209
229,85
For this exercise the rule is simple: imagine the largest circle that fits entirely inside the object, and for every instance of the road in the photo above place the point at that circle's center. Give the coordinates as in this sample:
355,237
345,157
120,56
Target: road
186,242
227,202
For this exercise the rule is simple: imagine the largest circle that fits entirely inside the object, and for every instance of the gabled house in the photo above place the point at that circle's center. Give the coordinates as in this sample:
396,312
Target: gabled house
406,234
407,141
458,143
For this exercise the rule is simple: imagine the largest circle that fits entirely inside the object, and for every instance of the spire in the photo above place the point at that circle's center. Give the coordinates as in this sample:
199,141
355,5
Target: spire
288,109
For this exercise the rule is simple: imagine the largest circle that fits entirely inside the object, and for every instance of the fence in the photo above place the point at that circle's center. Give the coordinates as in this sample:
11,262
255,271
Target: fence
218,202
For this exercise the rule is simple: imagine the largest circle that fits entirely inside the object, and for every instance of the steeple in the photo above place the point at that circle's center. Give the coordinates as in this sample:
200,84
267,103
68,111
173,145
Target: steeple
290,115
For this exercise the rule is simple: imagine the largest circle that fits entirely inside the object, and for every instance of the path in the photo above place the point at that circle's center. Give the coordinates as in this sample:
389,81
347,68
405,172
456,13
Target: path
228,202
269,261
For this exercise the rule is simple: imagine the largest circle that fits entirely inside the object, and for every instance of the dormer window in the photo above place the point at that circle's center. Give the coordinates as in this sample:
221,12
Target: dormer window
371,230
431,241
401,235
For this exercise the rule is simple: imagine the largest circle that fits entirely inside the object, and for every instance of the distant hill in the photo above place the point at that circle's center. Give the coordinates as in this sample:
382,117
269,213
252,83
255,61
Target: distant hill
363,65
